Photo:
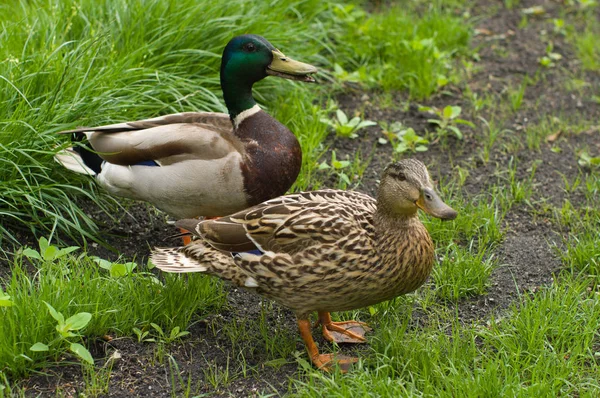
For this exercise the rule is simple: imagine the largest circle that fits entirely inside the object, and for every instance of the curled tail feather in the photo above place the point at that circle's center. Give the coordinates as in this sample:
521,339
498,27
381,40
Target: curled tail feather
198,257
175,260
72,160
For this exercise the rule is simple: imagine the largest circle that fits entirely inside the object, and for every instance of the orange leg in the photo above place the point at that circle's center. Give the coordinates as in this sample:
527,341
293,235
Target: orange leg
188,239
322,361
342,332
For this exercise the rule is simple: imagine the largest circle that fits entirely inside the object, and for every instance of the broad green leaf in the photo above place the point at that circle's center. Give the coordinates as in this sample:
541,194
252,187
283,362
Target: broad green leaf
78,321
366,123
5,301
118,270
66,250
130,266
324,166
102,263
50,253
555,56
82,352
354,122
463,121
327,121
451,112
43,242
382,141
157,328
340,164
341,116
345,178
456,131
401,147
31,253
39,347
55,314
442,81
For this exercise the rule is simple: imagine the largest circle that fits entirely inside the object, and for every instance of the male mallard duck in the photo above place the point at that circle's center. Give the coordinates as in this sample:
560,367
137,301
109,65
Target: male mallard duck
327,250
202,163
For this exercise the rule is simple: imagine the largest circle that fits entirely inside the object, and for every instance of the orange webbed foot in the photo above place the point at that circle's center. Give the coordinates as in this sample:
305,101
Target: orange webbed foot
327,362
343,332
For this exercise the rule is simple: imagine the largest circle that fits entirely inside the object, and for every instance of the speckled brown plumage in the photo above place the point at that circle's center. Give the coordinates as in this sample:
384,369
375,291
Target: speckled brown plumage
323,251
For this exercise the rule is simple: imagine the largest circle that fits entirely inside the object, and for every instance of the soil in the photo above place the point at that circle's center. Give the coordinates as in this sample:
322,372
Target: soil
527,255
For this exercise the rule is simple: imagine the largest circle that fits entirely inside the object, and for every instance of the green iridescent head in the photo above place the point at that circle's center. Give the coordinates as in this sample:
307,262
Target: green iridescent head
248,59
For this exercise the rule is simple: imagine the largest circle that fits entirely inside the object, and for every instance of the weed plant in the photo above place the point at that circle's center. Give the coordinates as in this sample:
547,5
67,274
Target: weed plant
116,304
403,48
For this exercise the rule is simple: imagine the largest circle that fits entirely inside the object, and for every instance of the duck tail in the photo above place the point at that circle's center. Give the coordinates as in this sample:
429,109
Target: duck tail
200,257
71,159
80,158
174,259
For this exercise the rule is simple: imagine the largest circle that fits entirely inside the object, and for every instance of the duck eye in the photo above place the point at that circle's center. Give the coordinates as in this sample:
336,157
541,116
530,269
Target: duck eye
250,47
400,176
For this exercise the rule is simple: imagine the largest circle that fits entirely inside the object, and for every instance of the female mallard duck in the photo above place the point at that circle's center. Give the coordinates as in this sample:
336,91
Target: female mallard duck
323,251
202,163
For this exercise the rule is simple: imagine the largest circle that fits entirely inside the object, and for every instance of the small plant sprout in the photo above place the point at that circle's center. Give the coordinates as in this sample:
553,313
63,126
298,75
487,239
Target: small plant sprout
359,76
559,26
142,335
175,334
47,251
516,95
587,161
337,166
345,127
116,270
389,131
448,120
403,139
549,60
67,330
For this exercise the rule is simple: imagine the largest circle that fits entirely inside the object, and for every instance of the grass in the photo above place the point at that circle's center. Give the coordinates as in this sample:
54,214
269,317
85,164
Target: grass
542,347
88,63
117,305
100,62
403,48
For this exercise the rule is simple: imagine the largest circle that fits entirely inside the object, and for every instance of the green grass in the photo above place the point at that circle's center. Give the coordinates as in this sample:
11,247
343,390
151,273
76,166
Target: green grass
402,48
73,284
101,62
588,48
542,347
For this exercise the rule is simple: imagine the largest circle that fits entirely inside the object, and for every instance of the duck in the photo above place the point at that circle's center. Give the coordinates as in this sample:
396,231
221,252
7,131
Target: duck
197,164
322,251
